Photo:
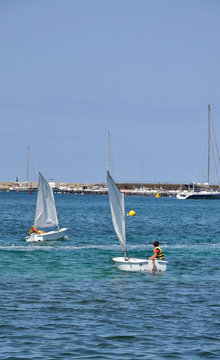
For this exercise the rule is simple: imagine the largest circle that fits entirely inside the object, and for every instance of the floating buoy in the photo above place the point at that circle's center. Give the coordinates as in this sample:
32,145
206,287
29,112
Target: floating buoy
157,195
131,213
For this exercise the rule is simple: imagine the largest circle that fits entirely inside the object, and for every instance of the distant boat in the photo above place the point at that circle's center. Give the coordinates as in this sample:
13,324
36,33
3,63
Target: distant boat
46,214
202,191
116,199
198,194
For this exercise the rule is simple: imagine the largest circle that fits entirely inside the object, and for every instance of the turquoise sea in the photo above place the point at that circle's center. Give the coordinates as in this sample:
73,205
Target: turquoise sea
66,299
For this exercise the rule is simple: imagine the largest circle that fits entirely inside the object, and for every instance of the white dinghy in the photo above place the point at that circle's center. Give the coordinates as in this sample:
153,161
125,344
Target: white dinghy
116,199
46,214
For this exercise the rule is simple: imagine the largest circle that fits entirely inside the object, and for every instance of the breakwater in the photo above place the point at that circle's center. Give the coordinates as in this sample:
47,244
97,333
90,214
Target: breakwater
137,189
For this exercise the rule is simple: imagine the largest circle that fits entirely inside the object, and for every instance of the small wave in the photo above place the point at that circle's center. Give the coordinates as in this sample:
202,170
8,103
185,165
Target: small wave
44,247
50,247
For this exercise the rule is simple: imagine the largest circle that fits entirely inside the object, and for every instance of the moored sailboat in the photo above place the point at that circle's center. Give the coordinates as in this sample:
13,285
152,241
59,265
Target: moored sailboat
199,194
203,191
46,214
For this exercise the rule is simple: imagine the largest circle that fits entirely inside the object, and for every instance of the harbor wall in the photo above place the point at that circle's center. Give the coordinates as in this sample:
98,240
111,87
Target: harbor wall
138,189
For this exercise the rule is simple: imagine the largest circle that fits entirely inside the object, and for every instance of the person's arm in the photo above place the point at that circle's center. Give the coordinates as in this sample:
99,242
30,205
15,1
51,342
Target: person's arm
153,257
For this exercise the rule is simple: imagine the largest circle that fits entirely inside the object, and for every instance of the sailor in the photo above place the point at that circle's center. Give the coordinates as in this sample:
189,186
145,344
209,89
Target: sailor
158,253
33,230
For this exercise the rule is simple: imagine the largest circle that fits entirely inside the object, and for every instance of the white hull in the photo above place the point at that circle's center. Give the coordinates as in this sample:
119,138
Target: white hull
132,264
199,195
51,235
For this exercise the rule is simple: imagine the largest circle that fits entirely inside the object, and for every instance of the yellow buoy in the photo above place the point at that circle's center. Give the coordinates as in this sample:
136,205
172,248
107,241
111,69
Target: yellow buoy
157,195
131,213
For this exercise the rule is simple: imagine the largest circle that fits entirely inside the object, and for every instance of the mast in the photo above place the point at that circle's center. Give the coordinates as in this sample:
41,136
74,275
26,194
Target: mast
27,165
142,174
208,142
109,151
110,165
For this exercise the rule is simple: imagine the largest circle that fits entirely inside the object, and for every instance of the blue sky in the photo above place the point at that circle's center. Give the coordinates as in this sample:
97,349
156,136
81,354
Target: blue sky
72,70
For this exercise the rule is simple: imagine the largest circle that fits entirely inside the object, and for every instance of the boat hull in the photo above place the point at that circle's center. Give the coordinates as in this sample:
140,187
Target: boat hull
206,195
51,235
133,264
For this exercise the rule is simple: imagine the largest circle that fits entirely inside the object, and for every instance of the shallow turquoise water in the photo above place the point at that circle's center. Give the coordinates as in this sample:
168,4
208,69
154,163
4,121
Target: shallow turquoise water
66,299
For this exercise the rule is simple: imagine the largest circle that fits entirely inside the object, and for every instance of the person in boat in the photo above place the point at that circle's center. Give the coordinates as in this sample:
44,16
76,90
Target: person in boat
33,230
158,253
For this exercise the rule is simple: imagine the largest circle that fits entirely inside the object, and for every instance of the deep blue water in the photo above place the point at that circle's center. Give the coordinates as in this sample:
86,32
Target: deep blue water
66,299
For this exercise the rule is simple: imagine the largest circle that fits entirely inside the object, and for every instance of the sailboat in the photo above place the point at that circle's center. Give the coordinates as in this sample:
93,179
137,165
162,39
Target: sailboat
46,214
116,199
207,192
199,194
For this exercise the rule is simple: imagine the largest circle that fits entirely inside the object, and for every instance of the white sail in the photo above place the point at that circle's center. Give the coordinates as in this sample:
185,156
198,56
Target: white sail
116,199
46,214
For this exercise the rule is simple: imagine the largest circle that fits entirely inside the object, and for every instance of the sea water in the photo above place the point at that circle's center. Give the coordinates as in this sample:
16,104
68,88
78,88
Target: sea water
67,300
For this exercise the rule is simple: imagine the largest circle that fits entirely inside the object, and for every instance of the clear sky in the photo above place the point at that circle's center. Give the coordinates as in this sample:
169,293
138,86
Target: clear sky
72,70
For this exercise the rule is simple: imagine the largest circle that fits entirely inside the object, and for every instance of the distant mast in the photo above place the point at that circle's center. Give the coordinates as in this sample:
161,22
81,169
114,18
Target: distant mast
142,174
27,165
209,135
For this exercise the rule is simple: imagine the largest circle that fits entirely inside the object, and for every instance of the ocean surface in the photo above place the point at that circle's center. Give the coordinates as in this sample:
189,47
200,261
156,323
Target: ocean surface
67,300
